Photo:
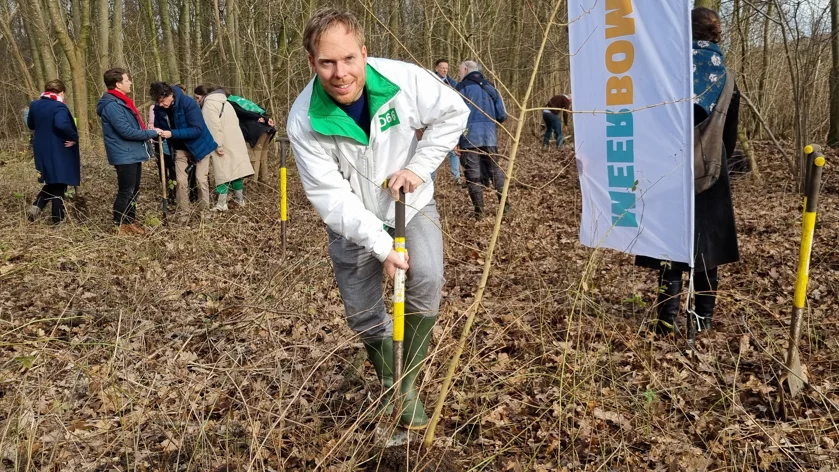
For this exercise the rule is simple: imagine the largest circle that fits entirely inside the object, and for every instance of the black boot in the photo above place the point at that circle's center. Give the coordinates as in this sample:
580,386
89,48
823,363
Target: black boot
706,284
668,301
476,194
506,204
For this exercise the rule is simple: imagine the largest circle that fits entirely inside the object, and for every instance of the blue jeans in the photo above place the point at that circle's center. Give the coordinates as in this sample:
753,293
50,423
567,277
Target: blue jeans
454,164
552,125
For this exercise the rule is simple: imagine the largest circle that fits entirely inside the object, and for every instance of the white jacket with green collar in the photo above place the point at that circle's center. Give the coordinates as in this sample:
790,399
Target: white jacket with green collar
342,171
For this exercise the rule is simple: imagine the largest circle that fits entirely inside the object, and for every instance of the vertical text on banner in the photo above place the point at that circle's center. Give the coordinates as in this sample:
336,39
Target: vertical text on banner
631,78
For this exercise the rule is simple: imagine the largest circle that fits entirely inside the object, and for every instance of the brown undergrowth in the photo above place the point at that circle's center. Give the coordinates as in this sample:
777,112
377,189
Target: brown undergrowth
205,348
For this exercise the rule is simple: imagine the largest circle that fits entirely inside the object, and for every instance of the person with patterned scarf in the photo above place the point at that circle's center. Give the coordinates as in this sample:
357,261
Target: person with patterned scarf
715,238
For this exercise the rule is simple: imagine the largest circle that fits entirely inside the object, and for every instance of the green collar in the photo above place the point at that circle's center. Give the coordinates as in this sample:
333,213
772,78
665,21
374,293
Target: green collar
329,119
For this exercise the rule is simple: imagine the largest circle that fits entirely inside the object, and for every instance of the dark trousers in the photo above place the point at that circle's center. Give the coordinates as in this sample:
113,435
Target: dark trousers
705,284
171,180
193,183
125,205
52,193
553,125
474,160
190,172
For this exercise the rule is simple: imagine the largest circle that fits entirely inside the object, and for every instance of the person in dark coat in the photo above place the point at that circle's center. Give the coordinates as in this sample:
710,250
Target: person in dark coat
167,173
479,143
441,70
258,129
56,148
190,138
126,145
715,238
161,121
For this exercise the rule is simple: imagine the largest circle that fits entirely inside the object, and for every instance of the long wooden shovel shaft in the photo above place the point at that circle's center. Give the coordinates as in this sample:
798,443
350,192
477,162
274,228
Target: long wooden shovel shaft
399,300
164,202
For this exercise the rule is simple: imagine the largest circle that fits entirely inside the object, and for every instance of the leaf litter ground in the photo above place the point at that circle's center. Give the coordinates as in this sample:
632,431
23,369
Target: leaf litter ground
203,347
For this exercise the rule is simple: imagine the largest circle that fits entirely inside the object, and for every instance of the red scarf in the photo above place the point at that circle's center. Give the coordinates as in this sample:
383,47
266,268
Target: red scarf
52,96
129,103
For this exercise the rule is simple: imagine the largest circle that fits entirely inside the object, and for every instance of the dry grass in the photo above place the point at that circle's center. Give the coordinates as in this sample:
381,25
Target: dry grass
204,348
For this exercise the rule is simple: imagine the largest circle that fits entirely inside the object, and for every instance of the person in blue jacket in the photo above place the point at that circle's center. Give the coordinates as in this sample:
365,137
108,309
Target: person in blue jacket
189,137
126,145
479,143
159,119
56,149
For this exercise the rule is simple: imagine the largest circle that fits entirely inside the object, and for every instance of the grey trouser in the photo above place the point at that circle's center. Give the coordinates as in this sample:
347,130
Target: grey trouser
359,276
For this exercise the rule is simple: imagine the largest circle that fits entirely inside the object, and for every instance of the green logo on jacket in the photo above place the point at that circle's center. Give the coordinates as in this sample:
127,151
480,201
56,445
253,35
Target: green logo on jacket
388,119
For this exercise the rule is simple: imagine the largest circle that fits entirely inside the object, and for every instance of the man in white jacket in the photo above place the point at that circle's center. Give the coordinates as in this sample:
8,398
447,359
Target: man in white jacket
352,128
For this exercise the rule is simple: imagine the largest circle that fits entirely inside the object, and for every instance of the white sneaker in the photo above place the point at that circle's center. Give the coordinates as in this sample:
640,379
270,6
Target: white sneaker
239,197
221,203
32,212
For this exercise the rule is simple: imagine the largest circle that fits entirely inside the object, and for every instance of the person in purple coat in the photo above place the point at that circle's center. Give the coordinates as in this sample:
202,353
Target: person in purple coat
56,147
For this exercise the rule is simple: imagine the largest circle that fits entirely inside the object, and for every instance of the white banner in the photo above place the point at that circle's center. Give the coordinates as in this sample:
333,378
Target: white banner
632,83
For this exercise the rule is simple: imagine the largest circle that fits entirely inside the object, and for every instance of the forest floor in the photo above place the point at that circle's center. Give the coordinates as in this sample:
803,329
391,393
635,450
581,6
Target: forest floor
205,348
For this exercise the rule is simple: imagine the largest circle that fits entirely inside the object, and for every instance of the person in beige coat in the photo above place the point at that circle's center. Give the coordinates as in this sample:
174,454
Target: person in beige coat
231,163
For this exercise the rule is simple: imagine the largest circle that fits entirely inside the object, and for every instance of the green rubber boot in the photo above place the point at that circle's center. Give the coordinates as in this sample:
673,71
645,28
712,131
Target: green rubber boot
417,335
380,354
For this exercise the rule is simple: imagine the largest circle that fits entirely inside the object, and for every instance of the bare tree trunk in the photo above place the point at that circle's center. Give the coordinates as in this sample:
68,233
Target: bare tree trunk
76,62
792,58
219,30
151,25
75,7
38,64
450,48
232,31
833,130
740,55
750,154
394,25
25,75
118,56
82,16
430,19
764,70
35,16
186,43
174,75
518,40
103,36
198,41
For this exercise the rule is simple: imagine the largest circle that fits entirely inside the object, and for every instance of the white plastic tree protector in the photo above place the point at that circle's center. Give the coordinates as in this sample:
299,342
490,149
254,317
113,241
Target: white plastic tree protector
632,88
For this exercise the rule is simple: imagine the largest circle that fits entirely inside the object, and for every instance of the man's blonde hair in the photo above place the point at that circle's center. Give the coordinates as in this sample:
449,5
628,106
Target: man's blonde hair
326,18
